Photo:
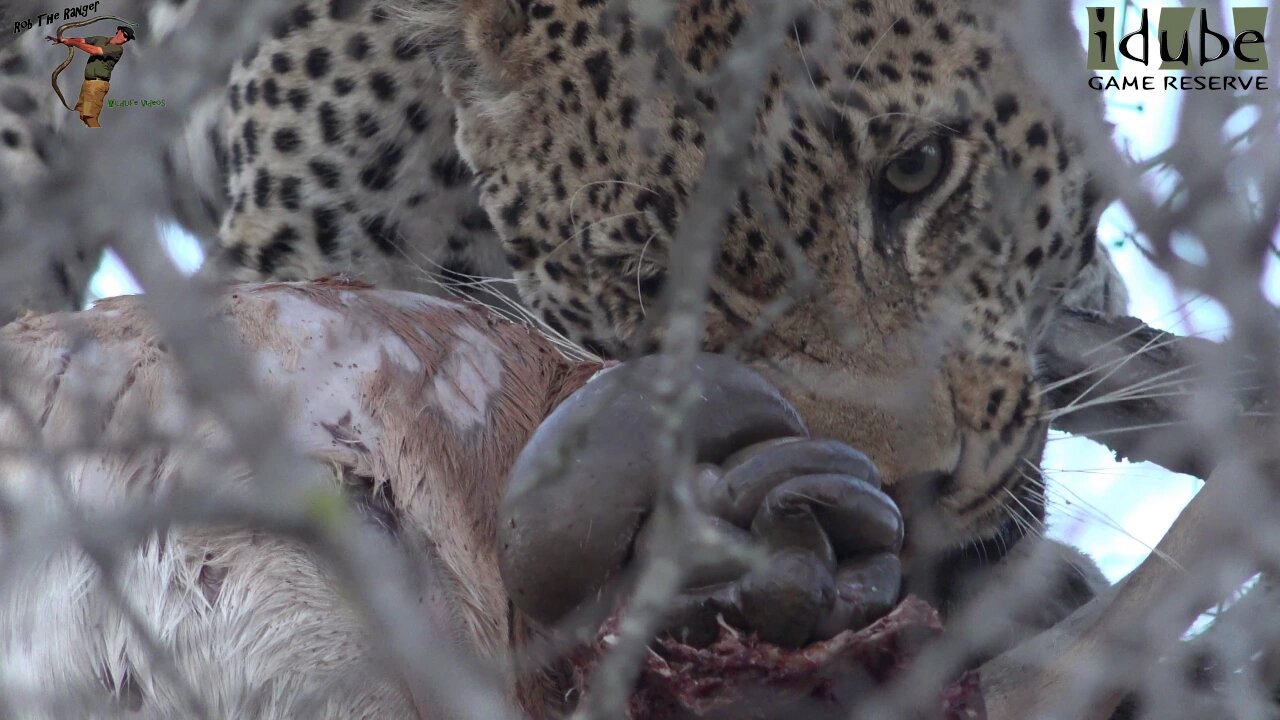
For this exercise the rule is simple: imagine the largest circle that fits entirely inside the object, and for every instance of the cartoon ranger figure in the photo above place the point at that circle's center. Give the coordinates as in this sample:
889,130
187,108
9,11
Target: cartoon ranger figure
104,53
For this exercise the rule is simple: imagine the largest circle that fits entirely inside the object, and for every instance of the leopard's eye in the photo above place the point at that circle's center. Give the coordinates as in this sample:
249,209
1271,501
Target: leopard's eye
917,170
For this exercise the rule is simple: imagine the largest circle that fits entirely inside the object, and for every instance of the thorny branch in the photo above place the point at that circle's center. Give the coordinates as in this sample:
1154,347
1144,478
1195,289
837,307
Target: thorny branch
741,81
1187,404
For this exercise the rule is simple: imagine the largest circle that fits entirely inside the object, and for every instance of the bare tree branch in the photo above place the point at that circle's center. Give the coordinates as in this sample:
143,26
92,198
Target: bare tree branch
1134,389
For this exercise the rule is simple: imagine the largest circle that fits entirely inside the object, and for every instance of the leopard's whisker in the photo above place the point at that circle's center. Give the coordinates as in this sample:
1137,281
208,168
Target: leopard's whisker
579,230
804,60
1079,571
1094,434
573,199
639,266
1038,490
1165,379
874,46
1081,509
915,116
507,307
1015,512
1116,398
1114,365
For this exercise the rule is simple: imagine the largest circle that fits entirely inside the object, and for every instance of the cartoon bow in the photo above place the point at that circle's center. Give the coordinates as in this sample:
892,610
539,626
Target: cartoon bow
71,52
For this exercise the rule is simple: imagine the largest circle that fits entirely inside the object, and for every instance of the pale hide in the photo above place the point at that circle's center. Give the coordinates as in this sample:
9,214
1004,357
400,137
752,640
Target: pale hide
413,406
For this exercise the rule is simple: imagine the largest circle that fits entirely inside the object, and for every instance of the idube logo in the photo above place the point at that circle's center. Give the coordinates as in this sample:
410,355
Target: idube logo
1180,31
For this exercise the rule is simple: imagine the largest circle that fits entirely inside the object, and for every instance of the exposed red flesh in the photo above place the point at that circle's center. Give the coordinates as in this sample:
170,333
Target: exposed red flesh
681,681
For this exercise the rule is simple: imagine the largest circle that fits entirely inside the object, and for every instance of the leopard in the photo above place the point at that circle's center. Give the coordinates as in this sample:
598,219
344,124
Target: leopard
898,164
332,156
897,160
330,160
573,178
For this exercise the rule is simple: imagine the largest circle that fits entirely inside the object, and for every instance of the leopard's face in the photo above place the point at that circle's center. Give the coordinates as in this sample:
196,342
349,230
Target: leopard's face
897,156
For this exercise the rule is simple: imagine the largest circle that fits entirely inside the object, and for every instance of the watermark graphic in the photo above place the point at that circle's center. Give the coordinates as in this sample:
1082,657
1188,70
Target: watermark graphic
1184,40
135,103
104,52
77,11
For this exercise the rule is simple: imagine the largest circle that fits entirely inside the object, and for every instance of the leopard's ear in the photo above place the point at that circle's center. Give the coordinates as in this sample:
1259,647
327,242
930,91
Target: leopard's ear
481,46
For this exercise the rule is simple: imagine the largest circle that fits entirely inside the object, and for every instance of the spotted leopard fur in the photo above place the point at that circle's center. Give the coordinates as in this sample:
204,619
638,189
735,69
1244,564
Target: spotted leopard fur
339,156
